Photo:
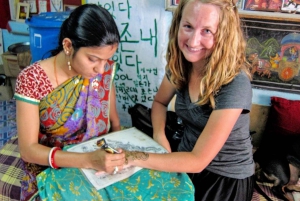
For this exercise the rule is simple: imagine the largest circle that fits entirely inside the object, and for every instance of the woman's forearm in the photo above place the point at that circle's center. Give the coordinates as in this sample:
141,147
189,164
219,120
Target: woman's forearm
158,117
180,161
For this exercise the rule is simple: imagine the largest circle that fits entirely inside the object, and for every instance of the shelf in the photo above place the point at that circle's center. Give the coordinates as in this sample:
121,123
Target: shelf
287,17
259,15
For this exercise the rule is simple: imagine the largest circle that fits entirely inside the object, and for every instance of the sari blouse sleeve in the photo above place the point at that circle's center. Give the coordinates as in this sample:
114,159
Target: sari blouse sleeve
32,84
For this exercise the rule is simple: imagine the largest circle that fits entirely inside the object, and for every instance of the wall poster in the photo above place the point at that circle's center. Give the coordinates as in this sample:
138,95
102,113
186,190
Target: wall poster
273,50
143,26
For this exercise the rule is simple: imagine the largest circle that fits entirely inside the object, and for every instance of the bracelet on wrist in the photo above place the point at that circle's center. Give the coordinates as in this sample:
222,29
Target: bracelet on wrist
51,157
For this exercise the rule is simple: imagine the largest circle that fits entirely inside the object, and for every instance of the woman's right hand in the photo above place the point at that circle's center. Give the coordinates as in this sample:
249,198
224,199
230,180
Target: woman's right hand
107,162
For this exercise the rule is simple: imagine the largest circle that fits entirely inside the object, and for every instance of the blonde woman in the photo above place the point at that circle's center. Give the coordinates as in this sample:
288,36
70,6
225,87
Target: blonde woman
207,70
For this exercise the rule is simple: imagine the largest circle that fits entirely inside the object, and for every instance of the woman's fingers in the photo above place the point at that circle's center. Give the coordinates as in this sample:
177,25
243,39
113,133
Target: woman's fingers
113,170
108,162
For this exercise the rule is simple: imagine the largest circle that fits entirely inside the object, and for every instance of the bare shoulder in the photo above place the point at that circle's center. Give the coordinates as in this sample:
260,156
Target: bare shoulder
48,66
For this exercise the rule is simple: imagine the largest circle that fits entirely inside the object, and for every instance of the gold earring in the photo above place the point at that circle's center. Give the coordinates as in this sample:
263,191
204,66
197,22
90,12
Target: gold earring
69,65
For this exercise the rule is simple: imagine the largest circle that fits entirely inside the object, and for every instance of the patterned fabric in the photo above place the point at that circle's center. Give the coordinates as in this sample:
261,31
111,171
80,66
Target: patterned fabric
10,171
33,84
11,174
266,188
75,111
144,185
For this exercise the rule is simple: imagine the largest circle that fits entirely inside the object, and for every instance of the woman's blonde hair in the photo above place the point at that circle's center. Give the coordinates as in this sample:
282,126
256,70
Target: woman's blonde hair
226,60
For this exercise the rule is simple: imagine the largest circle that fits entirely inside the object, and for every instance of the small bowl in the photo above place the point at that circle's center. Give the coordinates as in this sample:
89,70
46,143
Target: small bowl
19,47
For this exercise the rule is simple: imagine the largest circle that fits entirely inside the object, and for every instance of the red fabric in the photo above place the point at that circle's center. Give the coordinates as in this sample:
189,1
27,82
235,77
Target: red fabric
284,116
5,13
72,2
33,82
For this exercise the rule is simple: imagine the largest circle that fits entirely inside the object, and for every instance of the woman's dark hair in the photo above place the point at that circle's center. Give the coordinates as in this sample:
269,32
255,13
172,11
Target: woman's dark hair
88,25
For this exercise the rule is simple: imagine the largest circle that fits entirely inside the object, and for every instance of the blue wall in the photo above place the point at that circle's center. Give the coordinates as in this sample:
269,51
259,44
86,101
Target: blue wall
262,96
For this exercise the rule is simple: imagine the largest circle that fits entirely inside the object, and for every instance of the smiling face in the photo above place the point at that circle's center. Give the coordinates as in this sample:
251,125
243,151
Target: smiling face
90,61
197,27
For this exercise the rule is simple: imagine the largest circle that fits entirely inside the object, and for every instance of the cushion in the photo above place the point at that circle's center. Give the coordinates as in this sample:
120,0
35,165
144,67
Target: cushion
10,171
282,128
280,143
284,118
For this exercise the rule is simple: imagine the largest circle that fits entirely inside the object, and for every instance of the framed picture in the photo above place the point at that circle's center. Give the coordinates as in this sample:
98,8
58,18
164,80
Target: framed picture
171,4
23,10
56,5
12,8
69,7
176,2
32,6
240,4
274,5
291,6
44,6
260,5
273,52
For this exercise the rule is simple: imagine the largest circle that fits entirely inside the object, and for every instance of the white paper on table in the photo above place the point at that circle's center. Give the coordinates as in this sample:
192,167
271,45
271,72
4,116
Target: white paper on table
130,139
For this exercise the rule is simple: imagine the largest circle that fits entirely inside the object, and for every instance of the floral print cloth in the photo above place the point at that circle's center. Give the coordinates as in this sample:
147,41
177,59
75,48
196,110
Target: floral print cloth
144,185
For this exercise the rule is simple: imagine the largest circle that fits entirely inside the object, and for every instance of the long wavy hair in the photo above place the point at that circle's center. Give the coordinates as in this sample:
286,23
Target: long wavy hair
227,59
